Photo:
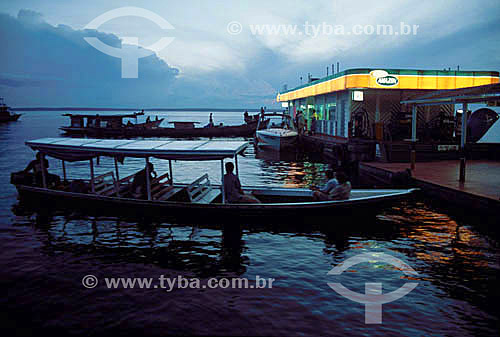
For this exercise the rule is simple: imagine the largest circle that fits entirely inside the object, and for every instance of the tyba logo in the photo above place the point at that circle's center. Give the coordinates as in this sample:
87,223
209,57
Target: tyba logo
373,297
129,53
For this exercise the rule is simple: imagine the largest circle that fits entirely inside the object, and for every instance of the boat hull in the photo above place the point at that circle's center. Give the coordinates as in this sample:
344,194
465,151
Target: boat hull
268,140
11,118
292,212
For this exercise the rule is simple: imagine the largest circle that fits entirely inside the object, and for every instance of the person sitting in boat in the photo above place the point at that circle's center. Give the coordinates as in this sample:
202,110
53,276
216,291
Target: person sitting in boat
39,171
246,117
148,120
139,184
343,189
232,188
323,194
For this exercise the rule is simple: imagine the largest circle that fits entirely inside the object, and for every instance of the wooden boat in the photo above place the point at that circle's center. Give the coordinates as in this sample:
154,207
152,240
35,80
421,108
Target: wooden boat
277,137
5,114
112,126
189,130
107,125
199,200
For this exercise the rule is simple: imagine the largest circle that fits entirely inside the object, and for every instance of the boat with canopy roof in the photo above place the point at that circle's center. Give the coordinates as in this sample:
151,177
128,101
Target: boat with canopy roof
199,199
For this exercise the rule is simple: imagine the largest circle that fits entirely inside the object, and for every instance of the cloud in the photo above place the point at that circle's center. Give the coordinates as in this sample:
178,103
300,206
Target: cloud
53,65
207,66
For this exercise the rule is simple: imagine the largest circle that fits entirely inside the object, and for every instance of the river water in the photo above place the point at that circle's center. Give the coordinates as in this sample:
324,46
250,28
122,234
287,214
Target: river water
46,255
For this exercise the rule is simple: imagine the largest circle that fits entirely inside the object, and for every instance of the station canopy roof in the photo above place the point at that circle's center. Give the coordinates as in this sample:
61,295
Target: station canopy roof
390,79
77,149
481,94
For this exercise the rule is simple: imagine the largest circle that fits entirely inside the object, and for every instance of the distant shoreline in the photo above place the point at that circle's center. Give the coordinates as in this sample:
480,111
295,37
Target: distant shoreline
151,109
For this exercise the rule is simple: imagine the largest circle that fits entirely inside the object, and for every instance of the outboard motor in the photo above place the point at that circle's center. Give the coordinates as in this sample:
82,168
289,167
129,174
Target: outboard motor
479,123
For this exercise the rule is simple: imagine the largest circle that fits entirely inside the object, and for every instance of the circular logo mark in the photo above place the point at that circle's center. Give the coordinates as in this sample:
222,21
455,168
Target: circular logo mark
234,28
90,281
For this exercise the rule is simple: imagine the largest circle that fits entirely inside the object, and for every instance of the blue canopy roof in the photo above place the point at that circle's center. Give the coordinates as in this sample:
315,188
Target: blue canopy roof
77,149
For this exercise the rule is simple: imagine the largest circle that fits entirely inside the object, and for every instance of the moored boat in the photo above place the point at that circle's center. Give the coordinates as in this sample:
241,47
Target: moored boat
277,137
110,126
201,199
5,114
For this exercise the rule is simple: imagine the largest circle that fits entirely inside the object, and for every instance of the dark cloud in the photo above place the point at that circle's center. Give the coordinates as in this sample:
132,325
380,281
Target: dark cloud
55,66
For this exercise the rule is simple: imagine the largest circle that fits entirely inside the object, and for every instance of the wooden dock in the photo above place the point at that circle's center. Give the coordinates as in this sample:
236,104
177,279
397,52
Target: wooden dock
439,179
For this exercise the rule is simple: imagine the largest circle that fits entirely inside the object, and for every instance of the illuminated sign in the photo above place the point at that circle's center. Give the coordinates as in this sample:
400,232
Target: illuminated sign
357,96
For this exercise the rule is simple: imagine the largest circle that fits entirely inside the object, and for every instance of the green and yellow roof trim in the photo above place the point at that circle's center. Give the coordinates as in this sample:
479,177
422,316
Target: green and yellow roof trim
391,79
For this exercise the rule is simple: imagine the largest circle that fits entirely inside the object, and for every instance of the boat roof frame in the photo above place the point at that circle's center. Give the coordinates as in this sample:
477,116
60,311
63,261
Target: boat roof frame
94,116
184,150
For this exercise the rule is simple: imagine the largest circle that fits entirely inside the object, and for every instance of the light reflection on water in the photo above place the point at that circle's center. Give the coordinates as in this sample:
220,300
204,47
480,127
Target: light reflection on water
45,256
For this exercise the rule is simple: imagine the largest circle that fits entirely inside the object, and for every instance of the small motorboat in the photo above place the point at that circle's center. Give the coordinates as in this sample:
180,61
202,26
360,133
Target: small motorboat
5,114
199,200
279,136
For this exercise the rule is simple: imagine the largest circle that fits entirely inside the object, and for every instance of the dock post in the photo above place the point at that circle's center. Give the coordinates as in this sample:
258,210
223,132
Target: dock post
148,181
222,181
92,187
463,141
42,165
413,152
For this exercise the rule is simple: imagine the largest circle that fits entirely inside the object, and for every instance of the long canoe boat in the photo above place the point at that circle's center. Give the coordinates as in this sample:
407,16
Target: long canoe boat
108,125
199,200
112,126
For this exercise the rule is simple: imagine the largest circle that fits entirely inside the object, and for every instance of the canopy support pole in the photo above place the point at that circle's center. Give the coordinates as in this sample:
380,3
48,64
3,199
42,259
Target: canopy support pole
116,170
92,187
236,164
64,170
170,170
463,141
148,181
117,183
222,181
42,165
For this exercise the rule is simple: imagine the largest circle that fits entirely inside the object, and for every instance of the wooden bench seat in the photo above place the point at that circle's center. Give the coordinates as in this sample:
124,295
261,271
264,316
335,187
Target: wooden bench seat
201,192
105,184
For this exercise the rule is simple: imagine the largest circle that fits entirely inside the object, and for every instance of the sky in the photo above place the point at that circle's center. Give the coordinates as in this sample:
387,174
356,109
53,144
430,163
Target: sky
217,58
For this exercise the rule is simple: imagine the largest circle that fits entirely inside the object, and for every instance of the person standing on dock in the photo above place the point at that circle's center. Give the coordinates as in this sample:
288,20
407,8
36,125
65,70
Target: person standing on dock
300,122
313,122
323,194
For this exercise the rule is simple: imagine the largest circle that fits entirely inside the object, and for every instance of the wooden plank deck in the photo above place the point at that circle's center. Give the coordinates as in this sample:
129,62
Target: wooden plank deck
439,179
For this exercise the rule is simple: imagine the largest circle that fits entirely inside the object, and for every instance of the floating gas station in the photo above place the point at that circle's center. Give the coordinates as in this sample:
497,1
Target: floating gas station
366,103
384,118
